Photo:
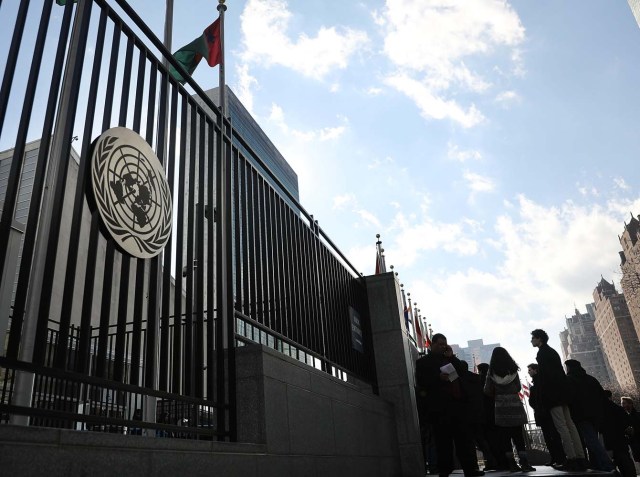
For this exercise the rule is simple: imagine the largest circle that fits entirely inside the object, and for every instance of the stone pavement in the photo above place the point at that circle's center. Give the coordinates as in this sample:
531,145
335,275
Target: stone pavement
543,471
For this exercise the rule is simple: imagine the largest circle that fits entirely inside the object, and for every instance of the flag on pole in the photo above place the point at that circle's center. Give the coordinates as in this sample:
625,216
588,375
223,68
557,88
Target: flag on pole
381,267
525,389
520,396
208,46
427,341
418,331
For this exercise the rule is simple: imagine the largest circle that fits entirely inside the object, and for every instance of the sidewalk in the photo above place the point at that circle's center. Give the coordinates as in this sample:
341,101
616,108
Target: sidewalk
542,471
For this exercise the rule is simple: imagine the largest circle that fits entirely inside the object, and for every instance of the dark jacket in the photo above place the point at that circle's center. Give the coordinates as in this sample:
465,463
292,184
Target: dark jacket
551,380
614,425
540,413
587,397
488,403
472,389
439,395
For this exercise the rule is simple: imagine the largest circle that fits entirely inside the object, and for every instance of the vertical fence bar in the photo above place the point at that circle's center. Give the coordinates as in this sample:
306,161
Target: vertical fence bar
199,257
61,152
179,233
165,338
30,238
83,178
125,263
13,181
12,60
244,243
189,351
212,313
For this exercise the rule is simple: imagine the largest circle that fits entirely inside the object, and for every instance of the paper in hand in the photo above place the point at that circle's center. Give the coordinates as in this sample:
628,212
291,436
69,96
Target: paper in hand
450,370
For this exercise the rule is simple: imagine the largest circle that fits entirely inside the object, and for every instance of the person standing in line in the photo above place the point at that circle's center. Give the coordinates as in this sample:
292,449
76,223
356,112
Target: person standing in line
437,373
543,420
491,431
553,390
473,389
587,412
634,420
616,430
504,385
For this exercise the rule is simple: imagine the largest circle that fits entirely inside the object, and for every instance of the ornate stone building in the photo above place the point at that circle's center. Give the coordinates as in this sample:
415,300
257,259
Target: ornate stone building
630,266
580,341
617,335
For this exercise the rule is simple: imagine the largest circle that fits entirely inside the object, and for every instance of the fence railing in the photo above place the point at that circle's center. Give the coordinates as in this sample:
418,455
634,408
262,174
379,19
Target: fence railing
92,343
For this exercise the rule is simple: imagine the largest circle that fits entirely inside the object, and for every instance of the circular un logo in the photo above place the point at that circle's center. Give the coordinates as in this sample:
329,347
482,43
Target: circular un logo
131,192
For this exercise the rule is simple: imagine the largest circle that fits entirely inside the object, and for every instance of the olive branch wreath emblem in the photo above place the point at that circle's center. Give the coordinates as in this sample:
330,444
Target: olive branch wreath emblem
153,244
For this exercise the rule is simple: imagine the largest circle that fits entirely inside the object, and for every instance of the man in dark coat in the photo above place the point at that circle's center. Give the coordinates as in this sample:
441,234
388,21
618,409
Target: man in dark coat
616,429
587,411
445,407
634,420
473,389
553,391
544,421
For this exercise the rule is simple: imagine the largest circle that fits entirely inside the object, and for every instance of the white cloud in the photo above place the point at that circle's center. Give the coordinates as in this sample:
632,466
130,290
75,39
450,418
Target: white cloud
246,82
340,202
433,106
429,42
549,259
454,152
373,91
323,134
368,217
620,183
264,25
479,183
506,98
414,235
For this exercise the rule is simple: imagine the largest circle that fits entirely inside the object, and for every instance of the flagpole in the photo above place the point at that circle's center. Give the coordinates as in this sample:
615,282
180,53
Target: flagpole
168,28
221,9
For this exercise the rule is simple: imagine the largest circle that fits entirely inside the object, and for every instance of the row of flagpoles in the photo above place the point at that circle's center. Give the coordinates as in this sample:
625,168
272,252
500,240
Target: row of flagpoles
415,325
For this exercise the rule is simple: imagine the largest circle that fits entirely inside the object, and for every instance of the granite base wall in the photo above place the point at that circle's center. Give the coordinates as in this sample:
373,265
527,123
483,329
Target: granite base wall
300,422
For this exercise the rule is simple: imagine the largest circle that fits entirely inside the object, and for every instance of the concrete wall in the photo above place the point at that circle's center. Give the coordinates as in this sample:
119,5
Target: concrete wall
395,362
304,415
302,422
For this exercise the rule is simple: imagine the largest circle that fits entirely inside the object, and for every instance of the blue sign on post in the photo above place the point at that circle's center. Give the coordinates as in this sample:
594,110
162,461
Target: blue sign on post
356,331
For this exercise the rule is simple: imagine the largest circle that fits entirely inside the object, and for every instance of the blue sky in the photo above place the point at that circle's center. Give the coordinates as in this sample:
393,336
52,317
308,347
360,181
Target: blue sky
492,144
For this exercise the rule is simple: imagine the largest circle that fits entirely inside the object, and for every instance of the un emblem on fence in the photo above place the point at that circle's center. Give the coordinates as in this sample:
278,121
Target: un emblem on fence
131,192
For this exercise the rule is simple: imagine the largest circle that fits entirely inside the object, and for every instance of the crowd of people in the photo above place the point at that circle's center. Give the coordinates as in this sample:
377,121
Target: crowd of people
465,411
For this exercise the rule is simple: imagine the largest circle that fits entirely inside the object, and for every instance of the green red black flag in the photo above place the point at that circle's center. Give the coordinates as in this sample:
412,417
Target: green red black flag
207,45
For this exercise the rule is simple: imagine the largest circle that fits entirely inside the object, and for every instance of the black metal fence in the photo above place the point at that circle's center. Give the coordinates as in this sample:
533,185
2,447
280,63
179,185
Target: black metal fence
91,341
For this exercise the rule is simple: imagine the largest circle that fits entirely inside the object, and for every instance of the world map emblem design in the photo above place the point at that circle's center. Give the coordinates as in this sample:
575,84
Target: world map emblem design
131,192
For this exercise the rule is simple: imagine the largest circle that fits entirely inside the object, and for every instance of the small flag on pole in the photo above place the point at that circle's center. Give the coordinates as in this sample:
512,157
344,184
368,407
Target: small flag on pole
381,267
208,45
520,396
525,389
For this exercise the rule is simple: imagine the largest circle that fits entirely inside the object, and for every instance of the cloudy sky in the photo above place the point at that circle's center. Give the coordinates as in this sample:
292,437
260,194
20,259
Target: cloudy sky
493,144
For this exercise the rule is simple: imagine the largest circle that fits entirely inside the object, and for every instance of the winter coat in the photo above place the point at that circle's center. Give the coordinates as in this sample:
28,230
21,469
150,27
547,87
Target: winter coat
587,397
472,388
439,395
488,403
614,425
551,380
509,411
540,413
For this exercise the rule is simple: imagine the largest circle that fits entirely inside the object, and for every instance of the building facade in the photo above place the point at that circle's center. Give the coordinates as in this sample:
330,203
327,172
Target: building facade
630,266
475,352
580,342
617,335
257,140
